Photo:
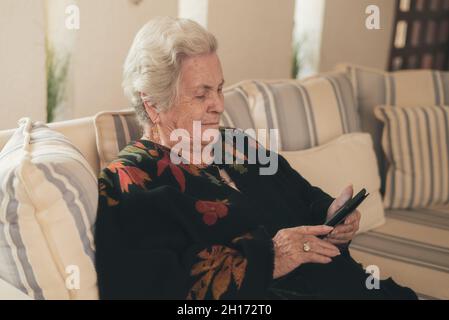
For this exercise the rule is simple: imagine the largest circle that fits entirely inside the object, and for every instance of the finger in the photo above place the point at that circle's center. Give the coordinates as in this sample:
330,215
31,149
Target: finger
342,236
337,242
351,218
314,230
317,258
356,216
357,227
342,229
359,218
324,251
321,243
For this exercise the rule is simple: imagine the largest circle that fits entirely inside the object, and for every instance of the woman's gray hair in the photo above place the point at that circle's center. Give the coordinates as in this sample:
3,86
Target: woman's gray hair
154,60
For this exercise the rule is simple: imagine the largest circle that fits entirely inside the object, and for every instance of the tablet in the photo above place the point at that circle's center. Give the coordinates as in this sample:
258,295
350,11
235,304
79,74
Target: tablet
347,209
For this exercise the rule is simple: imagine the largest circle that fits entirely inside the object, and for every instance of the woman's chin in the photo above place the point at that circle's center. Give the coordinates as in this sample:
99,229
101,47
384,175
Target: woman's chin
211,125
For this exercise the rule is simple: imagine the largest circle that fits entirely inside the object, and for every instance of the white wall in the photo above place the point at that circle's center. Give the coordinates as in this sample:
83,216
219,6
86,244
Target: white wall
106,33
196,10
22,61
346,39
255,37
255,41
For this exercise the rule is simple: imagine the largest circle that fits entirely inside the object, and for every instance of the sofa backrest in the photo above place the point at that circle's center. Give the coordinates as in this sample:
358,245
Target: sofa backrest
306,112
405,88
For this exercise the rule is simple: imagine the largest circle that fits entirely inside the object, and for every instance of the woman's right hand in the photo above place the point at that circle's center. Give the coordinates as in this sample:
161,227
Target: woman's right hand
289,248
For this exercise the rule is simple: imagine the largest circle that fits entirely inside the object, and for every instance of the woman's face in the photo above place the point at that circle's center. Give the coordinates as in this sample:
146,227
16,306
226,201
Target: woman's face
200,97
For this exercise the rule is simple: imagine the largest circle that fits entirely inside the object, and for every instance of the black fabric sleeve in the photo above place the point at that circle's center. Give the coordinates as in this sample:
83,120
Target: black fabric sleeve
318,200
144,250
314,197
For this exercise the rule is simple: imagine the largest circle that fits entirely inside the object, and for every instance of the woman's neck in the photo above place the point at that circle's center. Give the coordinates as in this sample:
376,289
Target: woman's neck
194,154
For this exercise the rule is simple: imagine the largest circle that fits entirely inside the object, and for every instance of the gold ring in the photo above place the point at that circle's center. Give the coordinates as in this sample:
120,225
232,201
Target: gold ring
306,247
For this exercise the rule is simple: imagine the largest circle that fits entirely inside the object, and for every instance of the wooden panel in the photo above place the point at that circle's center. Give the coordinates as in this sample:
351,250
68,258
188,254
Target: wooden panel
421,35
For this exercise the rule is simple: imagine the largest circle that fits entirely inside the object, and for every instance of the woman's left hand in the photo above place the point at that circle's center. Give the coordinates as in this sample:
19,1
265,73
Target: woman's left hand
343,233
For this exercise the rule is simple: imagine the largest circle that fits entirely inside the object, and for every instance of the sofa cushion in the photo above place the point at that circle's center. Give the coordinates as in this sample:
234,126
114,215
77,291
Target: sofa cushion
48,202
416,144
114,130
306,112
349,159
405,88
412,247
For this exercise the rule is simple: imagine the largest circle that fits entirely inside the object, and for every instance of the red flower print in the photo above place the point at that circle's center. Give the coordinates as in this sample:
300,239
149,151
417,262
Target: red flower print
212,210
129,175
165,163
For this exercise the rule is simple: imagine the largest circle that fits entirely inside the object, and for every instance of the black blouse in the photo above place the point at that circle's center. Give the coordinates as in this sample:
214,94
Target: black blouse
179,232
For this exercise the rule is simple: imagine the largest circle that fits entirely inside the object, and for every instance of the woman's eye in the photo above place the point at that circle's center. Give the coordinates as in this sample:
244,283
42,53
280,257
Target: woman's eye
201,97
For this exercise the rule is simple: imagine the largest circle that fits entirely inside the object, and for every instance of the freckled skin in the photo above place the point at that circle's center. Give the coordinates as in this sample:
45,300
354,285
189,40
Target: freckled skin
195,102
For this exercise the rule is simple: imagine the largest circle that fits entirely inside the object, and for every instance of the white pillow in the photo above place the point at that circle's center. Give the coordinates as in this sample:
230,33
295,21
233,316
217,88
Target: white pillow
349,159
48,203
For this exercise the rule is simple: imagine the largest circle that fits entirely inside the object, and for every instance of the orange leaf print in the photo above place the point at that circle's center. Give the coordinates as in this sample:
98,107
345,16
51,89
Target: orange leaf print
153,153
140,145
110,201
224,265
199,289
222,279
211,261
129,175
245,236
238,270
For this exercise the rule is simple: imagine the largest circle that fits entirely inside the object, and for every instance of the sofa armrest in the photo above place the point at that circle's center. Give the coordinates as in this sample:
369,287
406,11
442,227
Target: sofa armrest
8,292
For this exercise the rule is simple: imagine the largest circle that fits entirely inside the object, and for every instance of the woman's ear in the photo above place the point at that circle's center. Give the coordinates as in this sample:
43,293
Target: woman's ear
151,110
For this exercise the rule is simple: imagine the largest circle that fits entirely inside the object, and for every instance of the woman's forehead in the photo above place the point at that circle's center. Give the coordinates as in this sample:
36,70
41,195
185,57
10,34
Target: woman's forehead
201,71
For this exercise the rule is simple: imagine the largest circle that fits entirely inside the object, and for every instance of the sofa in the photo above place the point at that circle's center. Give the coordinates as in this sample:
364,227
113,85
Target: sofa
410,244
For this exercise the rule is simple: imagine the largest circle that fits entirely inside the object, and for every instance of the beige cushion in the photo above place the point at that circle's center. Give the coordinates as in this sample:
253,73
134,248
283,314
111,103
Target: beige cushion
80,132
48,203
114,130
416,143
349,159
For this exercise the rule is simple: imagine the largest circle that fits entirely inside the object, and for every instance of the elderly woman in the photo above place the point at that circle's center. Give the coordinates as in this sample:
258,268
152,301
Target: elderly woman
211,230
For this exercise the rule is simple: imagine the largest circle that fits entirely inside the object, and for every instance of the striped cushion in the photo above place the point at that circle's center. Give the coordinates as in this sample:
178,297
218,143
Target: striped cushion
307,113
416,143
405,88
114,130
48,201
412,247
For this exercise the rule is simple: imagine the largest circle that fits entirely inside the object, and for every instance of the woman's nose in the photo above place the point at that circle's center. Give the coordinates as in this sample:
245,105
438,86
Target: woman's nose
217,103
